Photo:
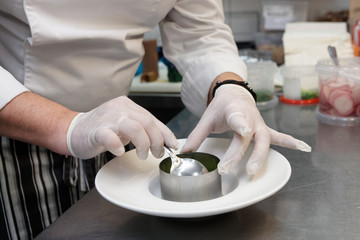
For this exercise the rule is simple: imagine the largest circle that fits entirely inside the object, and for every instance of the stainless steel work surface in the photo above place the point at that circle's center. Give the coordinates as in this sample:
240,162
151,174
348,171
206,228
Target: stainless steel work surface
320,201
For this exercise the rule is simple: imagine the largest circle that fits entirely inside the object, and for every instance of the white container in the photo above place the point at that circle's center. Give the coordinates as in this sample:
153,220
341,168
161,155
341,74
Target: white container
306,42
300,83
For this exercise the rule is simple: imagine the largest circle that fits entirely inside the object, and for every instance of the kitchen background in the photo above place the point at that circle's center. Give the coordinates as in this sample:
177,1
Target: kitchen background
317,7
247,17
259,26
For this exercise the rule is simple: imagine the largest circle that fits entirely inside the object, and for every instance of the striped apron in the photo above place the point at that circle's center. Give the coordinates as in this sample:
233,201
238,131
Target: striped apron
37,186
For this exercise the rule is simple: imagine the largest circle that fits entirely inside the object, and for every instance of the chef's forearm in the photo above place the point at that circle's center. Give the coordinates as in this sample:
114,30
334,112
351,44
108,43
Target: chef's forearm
37,120
223,77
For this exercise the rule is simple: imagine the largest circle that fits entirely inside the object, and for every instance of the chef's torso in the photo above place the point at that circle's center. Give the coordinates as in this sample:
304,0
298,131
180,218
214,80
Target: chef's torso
78,53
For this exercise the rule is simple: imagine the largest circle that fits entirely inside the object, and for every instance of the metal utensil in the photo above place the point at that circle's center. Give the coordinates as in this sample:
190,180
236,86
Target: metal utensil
185,166
191,188
333,55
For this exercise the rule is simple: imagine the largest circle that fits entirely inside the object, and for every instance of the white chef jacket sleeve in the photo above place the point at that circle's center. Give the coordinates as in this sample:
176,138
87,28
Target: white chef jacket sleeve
201,46
9,87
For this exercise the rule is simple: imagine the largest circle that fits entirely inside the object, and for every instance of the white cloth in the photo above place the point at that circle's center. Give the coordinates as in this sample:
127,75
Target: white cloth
83,53
10,88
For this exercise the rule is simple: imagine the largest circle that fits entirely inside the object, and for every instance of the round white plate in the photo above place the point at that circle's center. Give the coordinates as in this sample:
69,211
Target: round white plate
134,184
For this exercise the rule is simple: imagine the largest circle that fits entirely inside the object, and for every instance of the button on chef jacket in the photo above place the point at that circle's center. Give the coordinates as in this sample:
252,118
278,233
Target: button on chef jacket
81,53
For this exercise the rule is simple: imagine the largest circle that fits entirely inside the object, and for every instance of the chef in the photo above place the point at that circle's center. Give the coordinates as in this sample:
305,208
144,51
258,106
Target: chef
66,68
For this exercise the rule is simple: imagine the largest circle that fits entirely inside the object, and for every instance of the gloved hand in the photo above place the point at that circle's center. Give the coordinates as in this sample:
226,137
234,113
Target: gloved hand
114,124
234,108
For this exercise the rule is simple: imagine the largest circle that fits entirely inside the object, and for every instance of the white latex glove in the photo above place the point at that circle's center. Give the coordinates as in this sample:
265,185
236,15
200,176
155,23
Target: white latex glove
234,108
114,124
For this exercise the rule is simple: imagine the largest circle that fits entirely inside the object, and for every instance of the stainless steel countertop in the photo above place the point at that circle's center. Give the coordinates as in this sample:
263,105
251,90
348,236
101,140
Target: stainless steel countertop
320,201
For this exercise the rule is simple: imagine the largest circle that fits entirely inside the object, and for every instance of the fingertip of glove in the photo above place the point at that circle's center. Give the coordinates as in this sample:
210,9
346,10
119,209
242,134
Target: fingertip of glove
238,122
302,146
224,166
119,151
142,155
176,144
158,154
245,131
222,170
173,143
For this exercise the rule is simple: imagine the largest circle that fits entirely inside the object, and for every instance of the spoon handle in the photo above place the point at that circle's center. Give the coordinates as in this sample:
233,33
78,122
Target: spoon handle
171,153
333,54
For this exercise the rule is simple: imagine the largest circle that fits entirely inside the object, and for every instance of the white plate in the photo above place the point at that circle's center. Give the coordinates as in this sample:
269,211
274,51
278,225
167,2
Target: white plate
134,184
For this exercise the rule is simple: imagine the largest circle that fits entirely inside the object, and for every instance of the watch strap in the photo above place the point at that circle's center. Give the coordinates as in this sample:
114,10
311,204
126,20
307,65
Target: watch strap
240,83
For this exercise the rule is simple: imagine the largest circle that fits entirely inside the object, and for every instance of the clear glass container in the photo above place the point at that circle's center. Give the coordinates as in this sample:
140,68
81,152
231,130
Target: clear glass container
261,77
339,91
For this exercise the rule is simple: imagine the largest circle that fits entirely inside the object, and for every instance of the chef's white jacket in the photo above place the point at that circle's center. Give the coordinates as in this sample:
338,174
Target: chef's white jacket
81,53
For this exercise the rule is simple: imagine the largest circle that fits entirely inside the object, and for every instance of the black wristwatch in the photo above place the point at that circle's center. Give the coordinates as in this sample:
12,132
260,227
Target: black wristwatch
241,83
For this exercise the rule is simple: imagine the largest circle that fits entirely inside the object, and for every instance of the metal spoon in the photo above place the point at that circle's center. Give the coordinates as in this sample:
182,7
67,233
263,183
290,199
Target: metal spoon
333,55
185,166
